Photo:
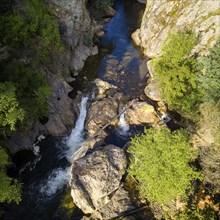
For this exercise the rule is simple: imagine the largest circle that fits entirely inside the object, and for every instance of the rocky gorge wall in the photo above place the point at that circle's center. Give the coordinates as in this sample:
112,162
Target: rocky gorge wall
162,17
77,33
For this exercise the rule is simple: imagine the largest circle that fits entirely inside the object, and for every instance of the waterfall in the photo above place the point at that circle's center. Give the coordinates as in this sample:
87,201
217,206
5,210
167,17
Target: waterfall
123,127
59,177
76,136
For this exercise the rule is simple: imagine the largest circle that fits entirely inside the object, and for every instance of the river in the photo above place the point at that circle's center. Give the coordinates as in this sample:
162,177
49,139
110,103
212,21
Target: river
45,176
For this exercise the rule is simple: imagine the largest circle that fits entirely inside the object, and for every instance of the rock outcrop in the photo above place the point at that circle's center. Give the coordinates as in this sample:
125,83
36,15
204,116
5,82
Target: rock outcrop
77,30
141,113
96,183
161,17
104,108
63,112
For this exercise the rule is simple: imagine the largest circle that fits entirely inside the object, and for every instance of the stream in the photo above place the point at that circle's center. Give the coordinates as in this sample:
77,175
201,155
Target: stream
45,176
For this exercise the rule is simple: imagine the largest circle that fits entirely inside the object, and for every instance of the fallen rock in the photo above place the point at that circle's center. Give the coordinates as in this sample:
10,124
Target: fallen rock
101,88
152,90
95,182
141,113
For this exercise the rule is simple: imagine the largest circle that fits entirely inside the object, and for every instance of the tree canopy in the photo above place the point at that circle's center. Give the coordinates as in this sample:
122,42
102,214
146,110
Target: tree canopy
10,189
10,110
160,162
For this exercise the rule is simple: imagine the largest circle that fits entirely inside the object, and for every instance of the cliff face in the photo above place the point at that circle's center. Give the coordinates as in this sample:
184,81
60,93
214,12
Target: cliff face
76,29
161,17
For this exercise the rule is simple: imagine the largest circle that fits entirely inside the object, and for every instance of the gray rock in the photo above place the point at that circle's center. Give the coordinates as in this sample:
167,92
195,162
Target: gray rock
63,110
141,113
77,30
95,180
101,112
152,90
160,17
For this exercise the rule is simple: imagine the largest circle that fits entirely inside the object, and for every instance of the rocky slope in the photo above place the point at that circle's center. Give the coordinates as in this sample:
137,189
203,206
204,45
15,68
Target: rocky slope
161,17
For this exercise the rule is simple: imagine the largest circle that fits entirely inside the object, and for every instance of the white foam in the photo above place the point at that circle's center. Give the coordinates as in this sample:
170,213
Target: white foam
57,180
123,126
76,137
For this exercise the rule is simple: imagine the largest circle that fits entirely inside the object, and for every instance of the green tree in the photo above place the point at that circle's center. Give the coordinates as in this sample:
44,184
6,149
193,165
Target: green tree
10,110
210,77
10,189
177,71
160,162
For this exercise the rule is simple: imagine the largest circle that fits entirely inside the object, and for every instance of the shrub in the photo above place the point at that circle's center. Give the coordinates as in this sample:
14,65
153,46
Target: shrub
10,109
177,71
160,162
10,189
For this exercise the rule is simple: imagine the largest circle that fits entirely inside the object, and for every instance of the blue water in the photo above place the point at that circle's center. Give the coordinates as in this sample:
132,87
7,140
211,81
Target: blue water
124,66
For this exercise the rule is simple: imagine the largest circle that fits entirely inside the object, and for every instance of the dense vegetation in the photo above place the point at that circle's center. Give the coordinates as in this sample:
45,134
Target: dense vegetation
29,40
9,187
31,36
177,71
159,159
160,162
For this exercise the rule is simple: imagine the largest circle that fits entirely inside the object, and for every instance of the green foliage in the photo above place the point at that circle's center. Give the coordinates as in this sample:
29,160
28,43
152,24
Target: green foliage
10,110
36,28
194,213
31,88
160,162
210,79
10,189
177,71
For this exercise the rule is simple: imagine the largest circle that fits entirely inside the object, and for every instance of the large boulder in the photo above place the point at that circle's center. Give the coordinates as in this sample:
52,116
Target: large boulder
102,112
152,90
95,182
141,113
161,17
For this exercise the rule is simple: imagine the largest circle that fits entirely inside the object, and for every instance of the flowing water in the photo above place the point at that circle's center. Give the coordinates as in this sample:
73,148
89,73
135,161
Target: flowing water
46,175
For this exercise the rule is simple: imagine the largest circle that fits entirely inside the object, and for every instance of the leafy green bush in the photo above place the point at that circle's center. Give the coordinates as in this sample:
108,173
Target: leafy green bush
177,71
160,162
31,89
36,28
10,189
210,77
10,109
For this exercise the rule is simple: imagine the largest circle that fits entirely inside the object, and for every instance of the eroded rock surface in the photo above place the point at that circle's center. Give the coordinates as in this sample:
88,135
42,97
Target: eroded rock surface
77,30
141,113
161,17
95,183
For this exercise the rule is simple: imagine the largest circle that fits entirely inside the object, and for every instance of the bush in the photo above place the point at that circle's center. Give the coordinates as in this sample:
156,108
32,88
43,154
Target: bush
10,109
210,77
10,189
177,71
160,162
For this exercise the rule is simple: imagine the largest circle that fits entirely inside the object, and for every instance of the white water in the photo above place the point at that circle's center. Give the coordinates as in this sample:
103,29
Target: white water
164,117
59,177
76,137
123,127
